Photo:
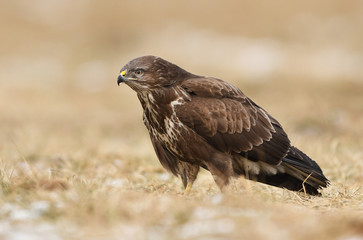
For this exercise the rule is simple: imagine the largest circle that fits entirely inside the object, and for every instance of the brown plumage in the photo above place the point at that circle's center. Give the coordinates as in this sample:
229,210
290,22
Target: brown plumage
196,121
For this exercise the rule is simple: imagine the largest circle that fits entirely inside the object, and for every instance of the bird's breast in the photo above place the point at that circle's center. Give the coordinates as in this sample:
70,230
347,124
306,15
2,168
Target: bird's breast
163,124
169,130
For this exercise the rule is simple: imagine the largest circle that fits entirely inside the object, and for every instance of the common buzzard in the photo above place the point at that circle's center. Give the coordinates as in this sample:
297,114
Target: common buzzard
197,121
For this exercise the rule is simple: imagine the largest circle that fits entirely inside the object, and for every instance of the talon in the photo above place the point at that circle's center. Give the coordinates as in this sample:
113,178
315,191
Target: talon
187,189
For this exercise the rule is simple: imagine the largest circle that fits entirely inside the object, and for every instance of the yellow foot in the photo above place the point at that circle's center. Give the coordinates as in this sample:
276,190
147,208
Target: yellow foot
187,189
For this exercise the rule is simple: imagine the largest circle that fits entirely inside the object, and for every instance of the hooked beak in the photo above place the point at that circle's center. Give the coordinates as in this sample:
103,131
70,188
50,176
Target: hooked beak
121,78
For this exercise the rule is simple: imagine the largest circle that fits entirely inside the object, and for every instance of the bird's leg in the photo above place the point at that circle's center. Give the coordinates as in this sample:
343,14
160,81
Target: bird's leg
220,179
188,188
220,166
188,174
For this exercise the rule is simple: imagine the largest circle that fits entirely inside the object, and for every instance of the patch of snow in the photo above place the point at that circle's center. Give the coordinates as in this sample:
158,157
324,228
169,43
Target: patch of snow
164,176
211,227
116,183
217,198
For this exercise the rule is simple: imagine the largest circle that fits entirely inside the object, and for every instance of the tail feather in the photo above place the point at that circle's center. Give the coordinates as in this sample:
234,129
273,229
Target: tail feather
304,174
297,172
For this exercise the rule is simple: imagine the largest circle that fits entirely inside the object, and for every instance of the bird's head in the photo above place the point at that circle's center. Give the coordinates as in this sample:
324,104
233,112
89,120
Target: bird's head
149,72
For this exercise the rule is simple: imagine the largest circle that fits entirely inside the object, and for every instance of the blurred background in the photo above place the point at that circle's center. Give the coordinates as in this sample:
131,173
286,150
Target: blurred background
59,61
58,44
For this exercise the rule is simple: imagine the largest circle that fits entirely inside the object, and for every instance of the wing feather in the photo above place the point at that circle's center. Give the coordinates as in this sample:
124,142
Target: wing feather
231,122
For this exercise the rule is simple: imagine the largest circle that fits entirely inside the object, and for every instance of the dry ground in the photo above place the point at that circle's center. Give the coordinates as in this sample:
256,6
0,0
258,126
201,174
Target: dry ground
80,165
75,158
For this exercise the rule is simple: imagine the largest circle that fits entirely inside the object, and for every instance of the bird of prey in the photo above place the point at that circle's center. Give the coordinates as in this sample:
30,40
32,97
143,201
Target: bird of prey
196,121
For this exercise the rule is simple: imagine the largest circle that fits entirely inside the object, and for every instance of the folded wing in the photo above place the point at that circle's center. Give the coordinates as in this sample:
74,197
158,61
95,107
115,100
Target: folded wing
231,122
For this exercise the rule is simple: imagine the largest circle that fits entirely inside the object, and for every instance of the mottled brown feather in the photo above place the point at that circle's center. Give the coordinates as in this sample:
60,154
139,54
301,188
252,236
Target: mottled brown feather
231,122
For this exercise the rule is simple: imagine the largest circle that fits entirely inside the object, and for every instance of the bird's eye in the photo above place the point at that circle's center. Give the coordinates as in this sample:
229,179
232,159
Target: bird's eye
139,72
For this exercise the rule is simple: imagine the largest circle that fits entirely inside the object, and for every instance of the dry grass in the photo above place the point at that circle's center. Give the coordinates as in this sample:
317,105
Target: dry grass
86,169
75,158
